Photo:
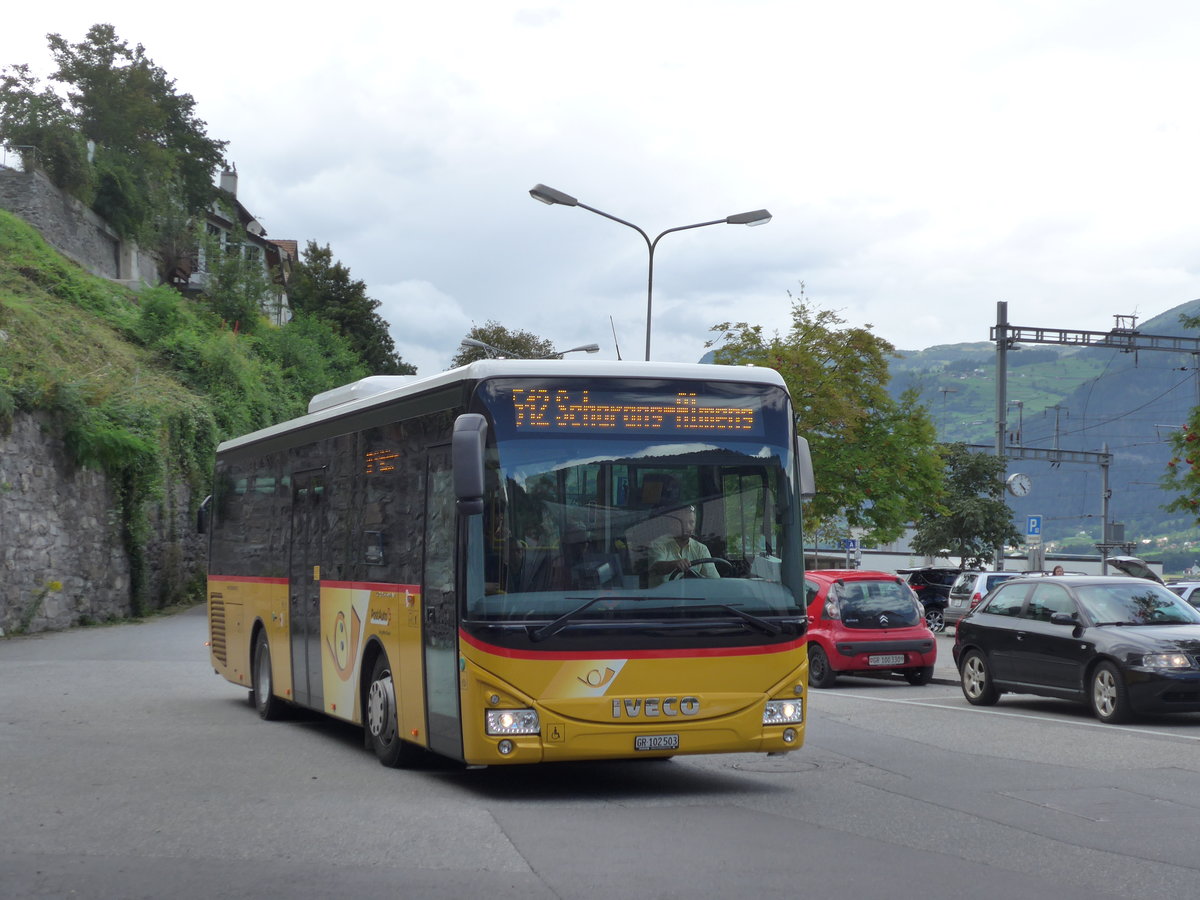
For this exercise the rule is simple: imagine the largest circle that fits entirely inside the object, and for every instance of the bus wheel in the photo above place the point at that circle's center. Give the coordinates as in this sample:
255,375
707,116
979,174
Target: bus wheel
381,724
263,694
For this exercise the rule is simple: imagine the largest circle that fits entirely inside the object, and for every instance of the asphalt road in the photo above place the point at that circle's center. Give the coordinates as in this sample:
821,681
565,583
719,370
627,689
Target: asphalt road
129,770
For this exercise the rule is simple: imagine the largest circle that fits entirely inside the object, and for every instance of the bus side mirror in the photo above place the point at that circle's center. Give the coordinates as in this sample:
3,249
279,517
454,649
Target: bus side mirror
804,469
466,454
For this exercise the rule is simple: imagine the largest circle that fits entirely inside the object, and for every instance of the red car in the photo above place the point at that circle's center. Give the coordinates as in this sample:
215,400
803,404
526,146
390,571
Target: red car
861,623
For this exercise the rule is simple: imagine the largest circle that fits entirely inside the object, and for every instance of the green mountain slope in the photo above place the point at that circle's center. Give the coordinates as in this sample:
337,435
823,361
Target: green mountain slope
1073,398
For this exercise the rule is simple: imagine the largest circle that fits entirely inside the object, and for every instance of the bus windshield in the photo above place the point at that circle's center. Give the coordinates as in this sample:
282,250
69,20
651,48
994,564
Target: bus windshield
671,503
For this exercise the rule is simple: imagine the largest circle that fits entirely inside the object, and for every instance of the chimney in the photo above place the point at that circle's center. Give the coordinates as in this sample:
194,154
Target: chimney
229,180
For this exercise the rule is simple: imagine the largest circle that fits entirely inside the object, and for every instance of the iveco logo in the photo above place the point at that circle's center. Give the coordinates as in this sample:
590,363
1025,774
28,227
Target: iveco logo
650,707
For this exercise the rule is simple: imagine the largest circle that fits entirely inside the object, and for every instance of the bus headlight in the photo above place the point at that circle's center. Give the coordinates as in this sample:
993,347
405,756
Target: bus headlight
512,721
784,712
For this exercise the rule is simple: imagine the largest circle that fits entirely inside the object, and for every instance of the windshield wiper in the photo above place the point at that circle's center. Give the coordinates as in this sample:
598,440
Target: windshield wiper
552,628
761,624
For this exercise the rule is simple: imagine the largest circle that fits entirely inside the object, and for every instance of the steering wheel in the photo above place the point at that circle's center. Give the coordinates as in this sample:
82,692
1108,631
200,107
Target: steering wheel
690,571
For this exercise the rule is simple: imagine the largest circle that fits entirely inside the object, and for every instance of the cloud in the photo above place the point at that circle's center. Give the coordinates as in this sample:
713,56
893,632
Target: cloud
424,321
922,161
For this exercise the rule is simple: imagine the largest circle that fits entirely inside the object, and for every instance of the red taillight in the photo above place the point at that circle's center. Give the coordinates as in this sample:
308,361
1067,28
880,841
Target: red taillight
976,599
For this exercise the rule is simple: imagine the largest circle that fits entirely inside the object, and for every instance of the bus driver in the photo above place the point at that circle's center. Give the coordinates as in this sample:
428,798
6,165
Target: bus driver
675,552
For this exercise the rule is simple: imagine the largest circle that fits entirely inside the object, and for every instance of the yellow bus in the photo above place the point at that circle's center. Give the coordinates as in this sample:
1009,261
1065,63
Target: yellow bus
523,561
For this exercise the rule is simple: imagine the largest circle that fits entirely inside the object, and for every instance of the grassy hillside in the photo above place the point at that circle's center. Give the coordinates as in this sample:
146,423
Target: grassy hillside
140,386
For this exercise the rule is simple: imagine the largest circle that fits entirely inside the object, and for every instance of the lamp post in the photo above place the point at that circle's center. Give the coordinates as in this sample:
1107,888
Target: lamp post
584,348
498,353
552,197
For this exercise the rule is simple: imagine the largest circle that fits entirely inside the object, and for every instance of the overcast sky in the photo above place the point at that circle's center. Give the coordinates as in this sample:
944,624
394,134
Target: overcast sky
922,160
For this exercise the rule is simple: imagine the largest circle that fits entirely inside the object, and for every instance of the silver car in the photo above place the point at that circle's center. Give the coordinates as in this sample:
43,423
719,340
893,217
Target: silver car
968,589
1188,590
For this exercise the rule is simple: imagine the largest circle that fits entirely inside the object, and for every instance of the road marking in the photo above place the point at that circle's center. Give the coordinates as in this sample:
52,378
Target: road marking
1017,715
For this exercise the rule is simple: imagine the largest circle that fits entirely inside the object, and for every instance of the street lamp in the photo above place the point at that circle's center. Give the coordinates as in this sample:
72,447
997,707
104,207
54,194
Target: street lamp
585,348
497,353
552,197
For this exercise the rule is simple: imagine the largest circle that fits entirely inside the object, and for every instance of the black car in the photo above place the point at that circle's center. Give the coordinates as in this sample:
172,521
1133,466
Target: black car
1124,645
932,584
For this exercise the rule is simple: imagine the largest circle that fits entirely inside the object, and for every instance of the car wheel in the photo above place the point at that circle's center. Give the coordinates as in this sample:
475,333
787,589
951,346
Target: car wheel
935,620
1110,697
820,672
268,705
381,719
922,675
976,680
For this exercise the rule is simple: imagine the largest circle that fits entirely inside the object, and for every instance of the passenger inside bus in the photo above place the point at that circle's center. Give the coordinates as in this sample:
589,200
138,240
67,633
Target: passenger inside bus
524,553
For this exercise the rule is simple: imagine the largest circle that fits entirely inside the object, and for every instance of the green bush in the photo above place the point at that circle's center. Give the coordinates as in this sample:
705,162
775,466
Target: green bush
160,314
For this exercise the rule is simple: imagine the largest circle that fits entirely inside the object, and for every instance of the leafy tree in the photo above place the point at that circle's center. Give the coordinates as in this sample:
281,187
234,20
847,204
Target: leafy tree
873,457
1183,469
39,126
517,344
968,519
124,102
324,290
150,149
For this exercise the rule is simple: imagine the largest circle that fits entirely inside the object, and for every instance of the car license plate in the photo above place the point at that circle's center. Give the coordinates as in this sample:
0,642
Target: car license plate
656,742
887,659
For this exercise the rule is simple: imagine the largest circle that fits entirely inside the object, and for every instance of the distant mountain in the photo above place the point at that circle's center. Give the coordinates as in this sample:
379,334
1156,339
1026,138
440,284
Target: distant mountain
1072,398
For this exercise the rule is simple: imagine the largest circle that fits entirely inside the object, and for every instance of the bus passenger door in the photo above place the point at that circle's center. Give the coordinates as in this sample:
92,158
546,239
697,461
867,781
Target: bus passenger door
304,578
439,598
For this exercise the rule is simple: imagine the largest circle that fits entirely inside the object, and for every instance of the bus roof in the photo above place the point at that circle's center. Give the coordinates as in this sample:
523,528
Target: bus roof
380,390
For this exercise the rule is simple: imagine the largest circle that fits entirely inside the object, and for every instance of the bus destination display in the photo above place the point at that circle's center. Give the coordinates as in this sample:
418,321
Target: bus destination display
541,410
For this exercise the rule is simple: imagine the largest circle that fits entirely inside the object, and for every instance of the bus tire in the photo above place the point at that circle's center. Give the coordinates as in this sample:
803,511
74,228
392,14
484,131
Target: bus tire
262,693
380,720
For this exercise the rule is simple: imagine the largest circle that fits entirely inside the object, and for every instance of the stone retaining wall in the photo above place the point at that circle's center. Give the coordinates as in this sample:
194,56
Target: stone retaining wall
73,229
62,561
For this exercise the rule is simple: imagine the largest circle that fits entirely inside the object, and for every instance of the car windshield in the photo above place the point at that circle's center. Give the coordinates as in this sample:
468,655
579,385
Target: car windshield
876,604
1136,603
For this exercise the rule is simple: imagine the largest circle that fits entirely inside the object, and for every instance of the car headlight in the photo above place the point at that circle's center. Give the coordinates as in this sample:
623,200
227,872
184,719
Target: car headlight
512,721
784,712
1166,661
